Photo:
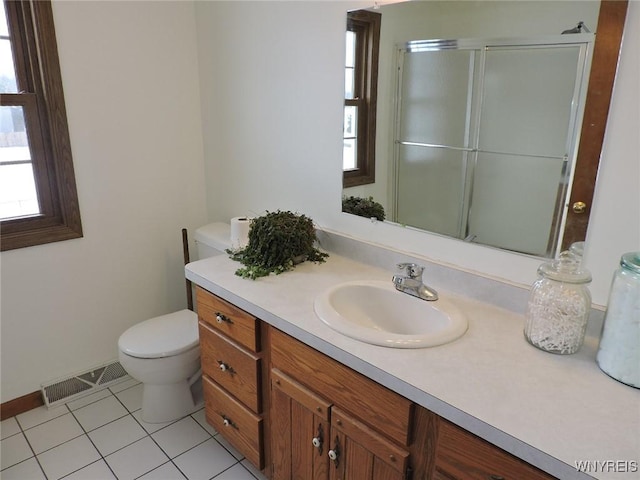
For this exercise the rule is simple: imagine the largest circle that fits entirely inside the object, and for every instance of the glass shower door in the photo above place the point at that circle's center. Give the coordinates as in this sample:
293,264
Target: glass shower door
526,135
434,137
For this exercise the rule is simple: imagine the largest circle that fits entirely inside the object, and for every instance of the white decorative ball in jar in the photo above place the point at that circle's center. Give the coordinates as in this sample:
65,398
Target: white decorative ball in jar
559,305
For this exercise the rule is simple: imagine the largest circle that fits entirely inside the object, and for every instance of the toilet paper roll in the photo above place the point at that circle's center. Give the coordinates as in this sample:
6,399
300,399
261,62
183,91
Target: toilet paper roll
240,232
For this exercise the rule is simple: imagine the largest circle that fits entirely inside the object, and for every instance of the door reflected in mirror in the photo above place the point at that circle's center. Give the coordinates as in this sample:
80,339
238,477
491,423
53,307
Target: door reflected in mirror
478,135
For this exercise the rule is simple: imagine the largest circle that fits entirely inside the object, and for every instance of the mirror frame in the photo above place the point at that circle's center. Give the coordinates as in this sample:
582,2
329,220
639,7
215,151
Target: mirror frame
604,65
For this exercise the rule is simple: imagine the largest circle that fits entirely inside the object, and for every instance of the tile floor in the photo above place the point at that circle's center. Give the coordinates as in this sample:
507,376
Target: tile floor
101,436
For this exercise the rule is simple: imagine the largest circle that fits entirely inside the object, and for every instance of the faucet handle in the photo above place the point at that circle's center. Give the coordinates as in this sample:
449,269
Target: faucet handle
413,269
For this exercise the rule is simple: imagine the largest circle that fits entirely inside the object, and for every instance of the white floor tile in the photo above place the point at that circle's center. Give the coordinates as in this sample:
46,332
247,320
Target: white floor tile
180,437
54,432
84,401
100,413
204,461
116,435
68,457
29,469
96,471
136,459
200,417
14,449
39,415
131,397
237,472
168,471
9,427
118,444
149,427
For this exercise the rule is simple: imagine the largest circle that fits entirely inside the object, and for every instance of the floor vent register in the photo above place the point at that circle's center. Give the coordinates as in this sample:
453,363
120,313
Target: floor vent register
70,388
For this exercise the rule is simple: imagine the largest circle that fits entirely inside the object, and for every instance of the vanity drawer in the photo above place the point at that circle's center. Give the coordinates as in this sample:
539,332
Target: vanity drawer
241,427
375,405
460,455
229,319
234,368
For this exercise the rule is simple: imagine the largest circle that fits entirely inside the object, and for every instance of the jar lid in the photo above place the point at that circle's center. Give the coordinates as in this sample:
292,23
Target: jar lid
566,268
577,248
631,261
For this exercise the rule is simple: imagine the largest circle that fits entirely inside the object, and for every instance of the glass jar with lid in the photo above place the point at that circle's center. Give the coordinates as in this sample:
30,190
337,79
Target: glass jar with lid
559,305
619,350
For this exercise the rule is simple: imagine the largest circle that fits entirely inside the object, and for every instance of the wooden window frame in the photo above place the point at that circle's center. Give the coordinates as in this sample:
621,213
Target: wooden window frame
366,26
35,53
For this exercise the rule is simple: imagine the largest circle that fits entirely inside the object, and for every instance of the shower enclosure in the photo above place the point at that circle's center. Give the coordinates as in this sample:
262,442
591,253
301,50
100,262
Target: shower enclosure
486,137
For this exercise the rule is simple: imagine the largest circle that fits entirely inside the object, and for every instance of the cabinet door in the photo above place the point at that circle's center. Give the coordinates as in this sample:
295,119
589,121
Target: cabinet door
377,406
299,431
460,455
359,453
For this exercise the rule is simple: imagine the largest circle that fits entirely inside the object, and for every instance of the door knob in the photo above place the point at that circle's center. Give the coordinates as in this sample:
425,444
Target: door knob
318,439
579,207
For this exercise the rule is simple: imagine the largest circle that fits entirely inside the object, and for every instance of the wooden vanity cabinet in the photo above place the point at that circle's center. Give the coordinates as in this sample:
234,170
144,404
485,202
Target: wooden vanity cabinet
286,406
329,422
380,408
231,358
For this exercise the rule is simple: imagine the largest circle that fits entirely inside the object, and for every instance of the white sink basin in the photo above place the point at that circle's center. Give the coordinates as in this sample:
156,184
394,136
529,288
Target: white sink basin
375,312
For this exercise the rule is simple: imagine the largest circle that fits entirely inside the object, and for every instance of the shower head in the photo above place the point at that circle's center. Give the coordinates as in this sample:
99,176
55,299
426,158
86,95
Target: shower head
579,28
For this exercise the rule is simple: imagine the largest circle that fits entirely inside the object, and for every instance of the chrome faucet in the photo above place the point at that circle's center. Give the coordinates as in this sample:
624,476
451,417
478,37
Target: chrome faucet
412,282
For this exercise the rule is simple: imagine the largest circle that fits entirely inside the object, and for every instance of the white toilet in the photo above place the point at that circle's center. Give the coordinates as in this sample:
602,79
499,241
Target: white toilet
164,352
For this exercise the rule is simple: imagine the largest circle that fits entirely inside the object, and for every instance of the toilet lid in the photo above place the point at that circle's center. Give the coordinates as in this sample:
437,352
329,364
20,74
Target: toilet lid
162,336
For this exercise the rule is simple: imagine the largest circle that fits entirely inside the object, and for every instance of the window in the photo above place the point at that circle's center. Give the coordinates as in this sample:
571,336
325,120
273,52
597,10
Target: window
361,83
38,197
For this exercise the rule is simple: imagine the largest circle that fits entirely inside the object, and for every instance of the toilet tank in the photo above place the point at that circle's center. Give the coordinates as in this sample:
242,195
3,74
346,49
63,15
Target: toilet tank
212,239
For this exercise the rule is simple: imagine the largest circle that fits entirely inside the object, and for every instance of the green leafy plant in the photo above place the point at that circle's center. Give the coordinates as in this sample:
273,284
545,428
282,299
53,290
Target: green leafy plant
363,207
277,242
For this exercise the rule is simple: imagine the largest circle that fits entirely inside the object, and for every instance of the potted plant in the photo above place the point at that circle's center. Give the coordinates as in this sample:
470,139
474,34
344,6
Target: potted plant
363,207
277,242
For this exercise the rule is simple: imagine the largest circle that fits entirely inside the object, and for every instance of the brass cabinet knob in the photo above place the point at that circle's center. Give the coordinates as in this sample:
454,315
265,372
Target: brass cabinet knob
579,207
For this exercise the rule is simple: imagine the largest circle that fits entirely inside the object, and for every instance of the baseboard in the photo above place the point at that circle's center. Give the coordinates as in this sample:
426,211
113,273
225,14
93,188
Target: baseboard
21,404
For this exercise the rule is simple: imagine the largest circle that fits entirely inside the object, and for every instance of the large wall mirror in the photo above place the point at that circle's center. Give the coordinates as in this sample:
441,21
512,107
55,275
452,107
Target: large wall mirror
490,118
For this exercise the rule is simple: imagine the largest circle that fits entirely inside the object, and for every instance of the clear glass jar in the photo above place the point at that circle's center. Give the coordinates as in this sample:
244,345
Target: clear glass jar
559,305
577,248
619,350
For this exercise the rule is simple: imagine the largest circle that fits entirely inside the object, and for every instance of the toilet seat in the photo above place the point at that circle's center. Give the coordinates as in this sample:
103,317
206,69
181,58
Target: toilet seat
163,336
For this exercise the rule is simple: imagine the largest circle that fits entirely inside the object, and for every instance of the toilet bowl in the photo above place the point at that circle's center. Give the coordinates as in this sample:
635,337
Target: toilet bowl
163,353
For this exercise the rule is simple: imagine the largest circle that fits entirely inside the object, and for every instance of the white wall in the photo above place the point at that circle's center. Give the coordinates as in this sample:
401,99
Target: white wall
273,138
130,78
614,226
271,109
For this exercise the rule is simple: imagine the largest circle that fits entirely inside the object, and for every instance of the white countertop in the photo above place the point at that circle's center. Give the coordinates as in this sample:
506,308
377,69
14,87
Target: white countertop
550,410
